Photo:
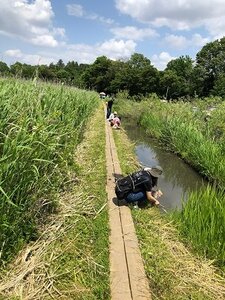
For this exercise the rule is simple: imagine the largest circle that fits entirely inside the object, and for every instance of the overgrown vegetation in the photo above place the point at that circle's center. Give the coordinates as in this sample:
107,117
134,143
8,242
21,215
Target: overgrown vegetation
173,271
70,260
184,129
202,220
40,125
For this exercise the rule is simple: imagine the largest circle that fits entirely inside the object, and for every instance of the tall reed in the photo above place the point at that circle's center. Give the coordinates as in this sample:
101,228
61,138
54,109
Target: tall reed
180,132
202,222
40,126
201,143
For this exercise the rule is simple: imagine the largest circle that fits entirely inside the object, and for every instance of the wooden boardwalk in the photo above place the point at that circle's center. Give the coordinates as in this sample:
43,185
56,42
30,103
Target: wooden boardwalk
127,275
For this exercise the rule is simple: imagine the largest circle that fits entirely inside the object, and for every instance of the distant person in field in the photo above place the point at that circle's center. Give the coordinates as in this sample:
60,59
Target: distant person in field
115,122
109,107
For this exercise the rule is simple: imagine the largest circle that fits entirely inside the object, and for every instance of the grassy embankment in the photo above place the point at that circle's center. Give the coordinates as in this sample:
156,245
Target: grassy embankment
39,127
69,260
173,271
200,143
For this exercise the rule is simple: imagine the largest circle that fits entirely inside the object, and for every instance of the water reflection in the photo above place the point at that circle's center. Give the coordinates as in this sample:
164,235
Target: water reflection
178,178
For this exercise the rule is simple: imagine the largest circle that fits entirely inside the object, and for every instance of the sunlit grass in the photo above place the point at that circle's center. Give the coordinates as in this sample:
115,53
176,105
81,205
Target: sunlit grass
173,271
40,125
202,222
70,260
186,133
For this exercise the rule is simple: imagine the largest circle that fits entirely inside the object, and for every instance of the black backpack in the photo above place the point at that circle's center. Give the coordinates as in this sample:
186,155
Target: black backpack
131,183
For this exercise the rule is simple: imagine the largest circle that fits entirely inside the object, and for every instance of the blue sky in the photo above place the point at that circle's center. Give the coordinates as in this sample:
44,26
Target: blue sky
43,31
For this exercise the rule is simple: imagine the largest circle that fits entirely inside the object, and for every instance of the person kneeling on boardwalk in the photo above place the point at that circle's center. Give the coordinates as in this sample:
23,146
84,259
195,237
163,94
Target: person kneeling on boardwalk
140,186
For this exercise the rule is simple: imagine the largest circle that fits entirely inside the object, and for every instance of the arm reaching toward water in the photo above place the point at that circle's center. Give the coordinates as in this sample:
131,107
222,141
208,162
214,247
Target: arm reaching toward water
153,196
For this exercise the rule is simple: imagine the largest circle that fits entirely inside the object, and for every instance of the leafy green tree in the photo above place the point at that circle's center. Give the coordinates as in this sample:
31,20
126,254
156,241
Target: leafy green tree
219,86
63,75
141,76
98,75
4,69
210,62
118,75
60,64
23,70
171,84
46,73
75,71
16,69
178,81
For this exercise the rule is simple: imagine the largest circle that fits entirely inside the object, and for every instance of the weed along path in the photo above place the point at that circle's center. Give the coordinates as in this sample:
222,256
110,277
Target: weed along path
127,275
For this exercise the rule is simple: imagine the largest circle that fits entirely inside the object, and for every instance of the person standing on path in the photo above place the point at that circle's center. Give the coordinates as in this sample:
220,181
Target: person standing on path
109,107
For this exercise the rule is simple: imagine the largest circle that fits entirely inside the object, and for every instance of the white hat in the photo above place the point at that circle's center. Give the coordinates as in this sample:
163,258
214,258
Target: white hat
155,171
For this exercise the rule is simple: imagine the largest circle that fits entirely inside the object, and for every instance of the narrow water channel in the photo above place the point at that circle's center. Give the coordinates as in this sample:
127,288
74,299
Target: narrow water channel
178,177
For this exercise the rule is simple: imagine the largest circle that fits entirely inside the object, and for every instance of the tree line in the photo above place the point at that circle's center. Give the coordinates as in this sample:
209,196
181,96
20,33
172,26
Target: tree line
183,78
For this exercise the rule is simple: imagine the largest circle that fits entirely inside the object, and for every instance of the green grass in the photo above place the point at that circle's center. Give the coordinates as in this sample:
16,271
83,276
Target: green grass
87,258
172,270
40,125
184,132
72,260
201,222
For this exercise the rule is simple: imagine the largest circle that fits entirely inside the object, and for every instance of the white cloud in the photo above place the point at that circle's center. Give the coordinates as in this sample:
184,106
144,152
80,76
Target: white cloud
177,14
31,59
181,42
198,41
113,49
30,22
43,40
13,53
133,33
116,49
175,41
160,61
77,10
81,53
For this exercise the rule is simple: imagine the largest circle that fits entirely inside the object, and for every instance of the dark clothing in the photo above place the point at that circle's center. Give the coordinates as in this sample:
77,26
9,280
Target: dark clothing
139,193
136,197
146,186
109,108
110,104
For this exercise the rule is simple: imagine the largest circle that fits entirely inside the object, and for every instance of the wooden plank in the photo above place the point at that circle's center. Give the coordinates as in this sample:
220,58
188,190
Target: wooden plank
128,279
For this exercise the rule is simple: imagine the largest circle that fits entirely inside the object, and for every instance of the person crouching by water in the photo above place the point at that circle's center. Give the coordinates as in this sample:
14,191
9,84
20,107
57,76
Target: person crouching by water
140,186
115,121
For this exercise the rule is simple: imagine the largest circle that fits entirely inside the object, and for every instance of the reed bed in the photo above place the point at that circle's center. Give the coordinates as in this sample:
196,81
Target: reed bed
40,125
184,133
70,258
201,143
174,272
202,220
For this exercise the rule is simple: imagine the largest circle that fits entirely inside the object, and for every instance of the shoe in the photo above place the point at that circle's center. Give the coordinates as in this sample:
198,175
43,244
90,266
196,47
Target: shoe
135,205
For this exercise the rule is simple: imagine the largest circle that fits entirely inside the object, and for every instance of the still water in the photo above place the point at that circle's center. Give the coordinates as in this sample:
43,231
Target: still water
178,177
